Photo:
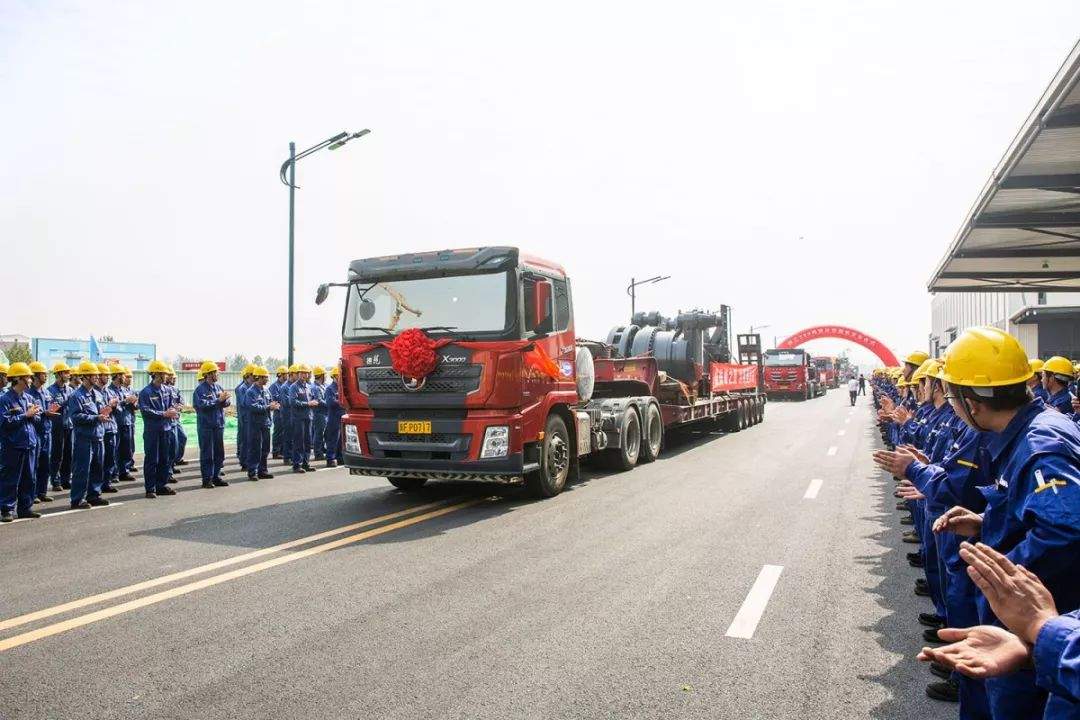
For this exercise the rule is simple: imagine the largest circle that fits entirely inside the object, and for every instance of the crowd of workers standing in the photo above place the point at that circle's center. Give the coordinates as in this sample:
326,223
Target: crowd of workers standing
984,446
78,433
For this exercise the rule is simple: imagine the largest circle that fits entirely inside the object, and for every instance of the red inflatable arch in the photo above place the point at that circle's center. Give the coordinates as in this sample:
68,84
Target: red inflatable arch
841,333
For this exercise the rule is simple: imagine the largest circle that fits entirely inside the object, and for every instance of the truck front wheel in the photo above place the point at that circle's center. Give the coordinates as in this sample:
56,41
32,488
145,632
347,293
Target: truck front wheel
407,484
555,456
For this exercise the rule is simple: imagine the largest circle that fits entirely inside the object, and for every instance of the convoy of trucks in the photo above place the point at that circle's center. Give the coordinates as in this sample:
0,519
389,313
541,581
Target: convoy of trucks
827,371
792,374
504,391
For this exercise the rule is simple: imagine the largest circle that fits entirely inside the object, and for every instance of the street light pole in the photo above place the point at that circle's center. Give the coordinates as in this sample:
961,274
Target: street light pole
633,296
287,175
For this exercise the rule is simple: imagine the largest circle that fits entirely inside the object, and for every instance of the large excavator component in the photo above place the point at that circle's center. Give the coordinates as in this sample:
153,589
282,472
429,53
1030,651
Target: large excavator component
682,346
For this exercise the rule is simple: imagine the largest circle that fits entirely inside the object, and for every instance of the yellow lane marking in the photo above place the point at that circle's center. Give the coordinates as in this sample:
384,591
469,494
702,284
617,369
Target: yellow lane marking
105,613
164,579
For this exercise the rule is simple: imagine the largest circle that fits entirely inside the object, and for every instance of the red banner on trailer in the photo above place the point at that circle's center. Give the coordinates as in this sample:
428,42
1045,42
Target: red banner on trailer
727,376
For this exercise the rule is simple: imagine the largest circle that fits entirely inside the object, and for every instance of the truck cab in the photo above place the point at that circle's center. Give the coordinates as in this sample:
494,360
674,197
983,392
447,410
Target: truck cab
790,373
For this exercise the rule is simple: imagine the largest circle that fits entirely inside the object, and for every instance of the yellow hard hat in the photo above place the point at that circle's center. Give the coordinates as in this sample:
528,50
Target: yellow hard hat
282,370
38,367
247,369
102,369
118,370
3,369
319,371
19,369
59,368
334,372
88,368
1036,365
208,366
917,358
929,368
260,372
303,367
1058,365
986,357
294,368
155,367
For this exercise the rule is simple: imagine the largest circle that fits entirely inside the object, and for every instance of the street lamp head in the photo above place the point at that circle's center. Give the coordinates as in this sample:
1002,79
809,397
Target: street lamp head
346,138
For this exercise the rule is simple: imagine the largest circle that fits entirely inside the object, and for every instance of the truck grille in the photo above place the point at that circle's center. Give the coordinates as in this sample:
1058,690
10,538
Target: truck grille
461,379
437,446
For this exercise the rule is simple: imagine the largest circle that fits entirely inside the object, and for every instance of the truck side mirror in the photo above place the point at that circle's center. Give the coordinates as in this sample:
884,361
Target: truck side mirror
322,293
541,306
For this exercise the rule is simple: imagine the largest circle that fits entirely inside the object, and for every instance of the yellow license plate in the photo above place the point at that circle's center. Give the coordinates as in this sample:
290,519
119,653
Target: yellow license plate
414,427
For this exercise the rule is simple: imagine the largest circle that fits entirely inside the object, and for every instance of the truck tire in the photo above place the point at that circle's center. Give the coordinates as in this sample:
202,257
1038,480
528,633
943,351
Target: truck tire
625,457
407,484
555,456
653,435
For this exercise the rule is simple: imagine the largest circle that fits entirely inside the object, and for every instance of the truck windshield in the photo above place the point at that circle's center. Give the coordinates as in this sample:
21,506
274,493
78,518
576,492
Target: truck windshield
783,358
456,305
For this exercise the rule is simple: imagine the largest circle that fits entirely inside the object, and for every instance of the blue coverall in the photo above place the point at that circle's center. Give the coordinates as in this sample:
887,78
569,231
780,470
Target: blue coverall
318,420
210,421
1057,665
334,413
1033,516
60,453
1062,401
154,402
258,426
240,392
87,449
18,452
285,398
276,437
125,431
42,399
108,441
181,436
300,419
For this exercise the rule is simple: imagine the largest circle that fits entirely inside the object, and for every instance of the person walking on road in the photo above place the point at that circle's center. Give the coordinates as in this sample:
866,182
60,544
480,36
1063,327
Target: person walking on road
158,416
260,409
862,384
853,389
19,418
210,401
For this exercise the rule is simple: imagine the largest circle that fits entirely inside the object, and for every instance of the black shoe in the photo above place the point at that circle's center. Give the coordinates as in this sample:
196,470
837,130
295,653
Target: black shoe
215,479
6,517
151,495
907,520
264,476
901,505
81,505
97,501
166,491
921,591
299,470
930,635
109,489
911,537
44,498
208,484
275,456
940,670
320,457
65,486
56,488
171,481
218,482
181,461
28,515
944,691
253,477
126,478
932,620
921,582
917,562
308,468
917,555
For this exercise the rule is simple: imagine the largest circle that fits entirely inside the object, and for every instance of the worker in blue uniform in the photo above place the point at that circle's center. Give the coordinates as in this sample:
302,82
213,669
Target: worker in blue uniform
41,397
124,414
133,400
275,389
287,414
260,410
319,413
334,413
20,417
210,401
303,406
240,392
108,440
1058,375
60,435
179,436
1032,510
88,415
1036,381
158,416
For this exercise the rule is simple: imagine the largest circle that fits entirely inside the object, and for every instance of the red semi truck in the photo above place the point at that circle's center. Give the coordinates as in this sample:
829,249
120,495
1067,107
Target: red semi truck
791,374
464,365
827,371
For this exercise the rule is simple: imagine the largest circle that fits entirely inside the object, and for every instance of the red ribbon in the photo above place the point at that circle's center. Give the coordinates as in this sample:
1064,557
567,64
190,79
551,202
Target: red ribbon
412,353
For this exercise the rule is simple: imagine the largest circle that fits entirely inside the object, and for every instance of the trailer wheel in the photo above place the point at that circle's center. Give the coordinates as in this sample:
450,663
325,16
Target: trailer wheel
407,484
744,415
760,411
653,435
626,457
555,450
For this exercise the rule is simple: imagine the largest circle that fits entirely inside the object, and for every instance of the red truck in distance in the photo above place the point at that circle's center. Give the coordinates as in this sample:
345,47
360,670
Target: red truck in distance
827,372
791,374
506,392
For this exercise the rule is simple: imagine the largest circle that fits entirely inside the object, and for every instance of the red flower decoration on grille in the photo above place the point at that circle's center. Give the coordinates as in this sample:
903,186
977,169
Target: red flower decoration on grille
412,354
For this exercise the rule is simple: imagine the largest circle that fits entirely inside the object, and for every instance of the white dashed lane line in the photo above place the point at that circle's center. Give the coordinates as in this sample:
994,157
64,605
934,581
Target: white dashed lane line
832,451
753,607
812,490
841,433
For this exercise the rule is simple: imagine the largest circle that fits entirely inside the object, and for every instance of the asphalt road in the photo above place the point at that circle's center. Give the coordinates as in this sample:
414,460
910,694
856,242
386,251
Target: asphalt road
618,599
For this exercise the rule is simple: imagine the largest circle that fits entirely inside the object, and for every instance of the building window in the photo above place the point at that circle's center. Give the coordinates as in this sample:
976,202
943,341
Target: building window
1041,300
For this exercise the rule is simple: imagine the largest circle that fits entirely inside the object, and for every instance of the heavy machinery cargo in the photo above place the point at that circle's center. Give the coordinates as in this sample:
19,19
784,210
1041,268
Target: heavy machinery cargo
463,364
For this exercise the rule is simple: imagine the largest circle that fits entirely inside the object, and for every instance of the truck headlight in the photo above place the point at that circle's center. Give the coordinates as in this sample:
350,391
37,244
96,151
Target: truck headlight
352,439
496,442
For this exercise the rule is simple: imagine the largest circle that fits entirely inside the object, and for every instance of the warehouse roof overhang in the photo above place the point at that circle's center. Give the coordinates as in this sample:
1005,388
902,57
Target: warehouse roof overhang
1023,233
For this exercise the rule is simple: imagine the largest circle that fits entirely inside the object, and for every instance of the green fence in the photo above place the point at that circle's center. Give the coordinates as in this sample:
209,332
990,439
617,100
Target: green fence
188,421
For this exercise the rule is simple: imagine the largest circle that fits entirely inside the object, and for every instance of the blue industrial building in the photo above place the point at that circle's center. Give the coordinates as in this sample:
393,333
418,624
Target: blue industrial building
69,350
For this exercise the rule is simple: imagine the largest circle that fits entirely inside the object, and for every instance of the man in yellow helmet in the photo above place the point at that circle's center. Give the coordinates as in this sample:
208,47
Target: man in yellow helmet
158,418
319,415
276,389
287,414
240,392
260,409
20,417
334,413
88,414
125,422
109,442
1036,381
179,437
60,455
39,395
1058,374
1032,509
210,401
303,406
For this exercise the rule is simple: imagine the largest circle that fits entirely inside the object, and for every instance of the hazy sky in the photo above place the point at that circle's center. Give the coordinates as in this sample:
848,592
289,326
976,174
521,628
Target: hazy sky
779,157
